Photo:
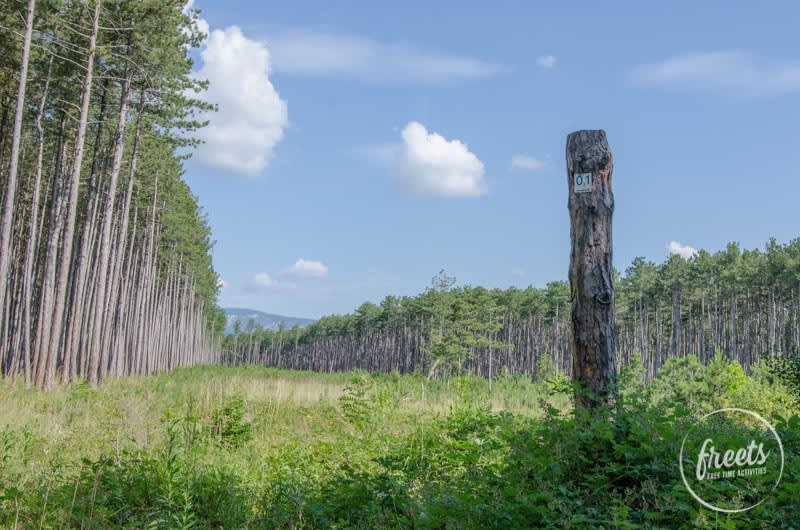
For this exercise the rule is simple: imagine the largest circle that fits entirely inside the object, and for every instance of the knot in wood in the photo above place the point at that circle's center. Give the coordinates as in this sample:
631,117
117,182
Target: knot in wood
603,297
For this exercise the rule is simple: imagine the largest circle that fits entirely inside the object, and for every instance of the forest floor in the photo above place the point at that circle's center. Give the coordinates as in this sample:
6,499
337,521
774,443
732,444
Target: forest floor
254,447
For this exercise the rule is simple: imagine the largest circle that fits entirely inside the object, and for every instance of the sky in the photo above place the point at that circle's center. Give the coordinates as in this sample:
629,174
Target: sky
360,147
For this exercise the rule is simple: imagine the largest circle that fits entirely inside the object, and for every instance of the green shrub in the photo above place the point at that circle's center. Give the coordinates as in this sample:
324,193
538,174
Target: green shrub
228,423
787,371
357,403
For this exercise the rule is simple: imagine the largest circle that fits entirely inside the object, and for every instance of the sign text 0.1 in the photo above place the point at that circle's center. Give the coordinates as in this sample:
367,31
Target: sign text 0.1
582,182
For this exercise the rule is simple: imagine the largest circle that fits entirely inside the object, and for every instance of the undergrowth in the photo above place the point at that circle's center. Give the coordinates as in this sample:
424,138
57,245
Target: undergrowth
384,451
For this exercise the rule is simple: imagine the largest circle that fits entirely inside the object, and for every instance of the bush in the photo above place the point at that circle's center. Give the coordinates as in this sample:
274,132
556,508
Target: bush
787,371
357,403
228,424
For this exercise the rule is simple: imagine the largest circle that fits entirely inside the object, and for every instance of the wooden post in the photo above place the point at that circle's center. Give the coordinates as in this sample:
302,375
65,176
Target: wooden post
591,206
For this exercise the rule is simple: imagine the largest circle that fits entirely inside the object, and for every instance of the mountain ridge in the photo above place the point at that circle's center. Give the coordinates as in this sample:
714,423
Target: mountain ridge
270,321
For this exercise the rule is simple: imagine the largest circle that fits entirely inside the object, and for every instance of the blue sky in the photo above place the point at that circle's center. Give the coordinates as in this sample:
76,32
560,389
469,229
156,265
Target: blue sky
362,146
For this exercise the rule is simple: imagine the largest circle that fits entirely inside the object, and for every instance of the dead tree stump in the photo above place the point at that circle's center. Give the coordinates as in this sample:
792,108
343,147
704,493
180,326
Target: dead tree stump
591,206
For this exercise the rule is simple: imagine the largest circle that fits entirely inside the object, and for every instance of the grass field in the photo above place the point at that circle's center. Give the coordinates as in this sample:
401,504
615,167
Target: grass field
252,447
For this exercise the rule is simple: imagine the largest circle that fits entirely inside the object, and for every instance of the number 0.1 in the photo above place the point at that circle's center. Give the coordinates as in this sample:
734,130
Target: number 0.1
583,182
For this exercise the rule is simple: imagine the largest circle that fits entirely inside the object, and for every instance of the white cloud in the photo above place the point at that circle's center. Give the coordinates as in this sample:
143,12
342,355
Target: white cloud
242,134
262,281
546,61
314,53
729,72
427,164
307,269
221,284
527,162
685,251
519,272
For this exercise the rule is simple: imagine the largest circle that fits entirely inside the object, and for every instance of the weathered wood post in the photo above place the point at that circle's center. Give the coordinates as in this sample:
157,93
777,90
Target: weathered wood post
591,206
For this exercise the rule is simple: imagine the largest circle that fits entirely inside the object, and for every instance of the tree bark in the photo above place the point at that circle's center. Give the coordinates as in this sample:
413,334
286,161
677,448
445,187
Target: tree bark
80,307
72,208
48,289
97,355
11,184
590,271
33,235
675,331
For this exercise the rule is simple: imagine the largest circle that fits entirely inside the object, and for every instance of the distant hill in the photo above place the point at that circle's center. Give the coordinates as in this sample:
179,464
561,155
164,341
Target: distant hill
265,320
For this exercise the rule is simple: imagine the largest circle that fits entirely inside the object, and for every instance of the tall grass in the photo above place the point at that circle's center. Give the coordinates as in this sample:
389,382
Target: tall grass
252,447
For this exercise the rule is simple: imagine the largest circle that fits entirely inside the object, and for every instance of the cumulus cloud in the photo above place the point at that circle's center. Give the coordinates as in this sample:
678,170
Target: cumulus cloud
519,272
221,284
307,269
527,162
546,61
731,72
685,251
427,164
262,281
251,115
313,53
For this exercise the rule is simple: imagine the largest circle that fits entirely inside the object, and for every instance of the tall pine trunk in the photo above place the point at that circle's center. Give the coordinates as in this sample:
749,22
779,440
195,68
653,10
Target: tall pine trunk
98,355
33,234
11,185
56,331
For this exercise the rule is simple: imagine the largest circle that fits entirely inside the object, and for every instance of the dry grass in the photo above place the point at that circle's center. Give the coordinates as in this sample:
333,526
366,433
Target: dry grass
68,424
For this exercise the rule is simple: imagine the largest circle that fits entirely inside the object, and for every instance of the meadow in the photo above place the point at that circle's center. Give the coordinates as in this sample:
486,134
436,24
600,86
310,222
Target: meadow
254,447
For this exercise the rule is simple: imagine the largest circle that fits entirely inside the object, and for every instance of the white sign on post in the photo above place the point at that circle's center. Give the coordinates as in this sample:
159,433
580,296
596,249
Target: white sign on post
582,182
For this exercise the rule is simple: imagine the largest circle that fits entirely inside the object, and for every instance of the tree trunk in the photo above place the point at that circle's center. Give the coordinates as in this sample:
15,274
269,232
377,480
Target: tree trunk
97,355
72,208
590,273
79,306
11,184
46,301
33,235
675,332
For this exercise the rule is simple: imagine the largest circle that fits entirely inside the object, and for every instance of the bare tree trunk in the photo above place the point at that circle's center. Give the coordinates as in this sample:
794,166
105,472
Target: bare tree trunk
675,335
772,319
97,361
78,310
72,208
46,304
11,185
33,235
591,206
120,246
5,103
701,353
734,347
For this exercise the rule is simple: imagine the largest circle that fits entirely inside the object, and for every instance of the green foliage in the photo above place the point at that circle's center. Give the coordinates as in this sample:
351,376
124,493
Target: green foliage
787,371
631,379
229,425
384,451
357,402
664,309
151,42
545,370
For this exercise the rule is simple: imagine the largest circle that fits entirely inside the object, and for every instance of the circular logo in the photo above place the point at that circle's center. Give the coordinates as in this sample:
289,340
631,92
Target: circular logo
731,460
